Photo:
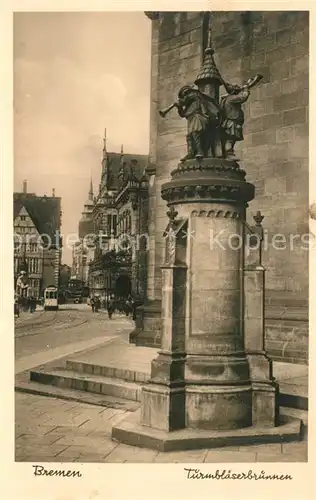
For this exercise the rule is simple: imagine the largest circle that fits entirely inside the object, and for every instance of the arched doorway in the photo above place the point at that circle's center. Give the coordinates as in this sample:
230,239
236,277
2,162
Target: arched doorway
123,286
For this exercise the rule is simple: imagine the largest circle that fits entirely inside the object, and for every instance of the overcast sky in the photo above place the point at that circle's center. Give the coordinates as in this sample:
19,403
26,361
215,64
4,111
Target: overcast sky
74,75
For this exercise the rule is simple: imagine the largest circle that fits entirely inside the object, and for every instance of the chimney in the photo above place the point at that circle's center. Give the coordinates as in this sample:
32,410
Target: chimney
25,187
53,193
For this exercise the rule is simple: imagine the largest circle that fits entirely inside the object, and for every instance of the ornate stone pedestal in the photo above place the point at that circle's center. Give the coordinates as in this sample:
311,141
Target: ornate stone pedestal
211,194
212,378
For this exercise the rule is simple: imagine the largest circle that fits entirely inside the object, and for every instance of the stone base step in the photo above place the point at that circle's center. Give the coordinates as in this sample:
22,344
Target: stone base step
301,415
129,431
88,383
293,383
51,391
127,384
129,375
291,397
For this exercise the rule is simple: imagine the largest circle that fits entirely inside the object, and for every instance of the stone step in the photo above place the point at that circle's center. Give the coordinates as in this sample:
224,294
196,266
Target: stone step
127,383
301,415
139,375
84,397
295,413
88,383
293,396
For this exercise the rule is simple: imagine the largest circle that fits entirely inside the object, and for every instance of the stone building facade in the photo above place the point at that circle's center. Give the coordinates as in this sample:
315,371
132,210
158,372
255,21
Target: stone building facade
37,245
83,251
120,216
274,152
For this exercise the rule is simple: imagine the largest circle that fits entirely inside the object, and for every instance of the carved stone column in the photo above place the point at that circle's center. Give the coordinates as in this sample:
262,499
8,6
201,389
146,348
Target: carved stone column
265,409
213,194
163,405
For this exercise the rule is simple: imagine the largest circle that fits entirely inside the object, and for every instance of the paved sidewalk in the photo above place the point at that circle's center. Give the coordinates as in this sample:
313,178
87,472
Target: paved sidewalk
53,430
65,335
28,362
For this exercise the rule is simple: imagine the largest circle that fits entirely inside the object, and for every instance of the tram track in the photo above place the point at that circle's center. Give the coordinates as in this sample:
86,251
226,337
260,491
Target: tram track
36,327
65,327
29,326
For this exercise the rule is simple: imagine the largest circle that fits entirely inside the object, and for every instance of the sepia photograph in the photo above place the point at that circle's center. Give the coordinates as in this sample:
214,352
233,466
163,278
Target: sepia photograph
162,229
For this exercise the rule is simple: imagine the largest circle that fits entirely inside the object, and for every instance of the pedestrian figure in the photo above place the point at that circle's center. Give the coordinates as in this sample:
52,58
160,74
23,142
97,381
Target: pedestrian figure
97,304
92,302
16,307
30,305
128,306
110,308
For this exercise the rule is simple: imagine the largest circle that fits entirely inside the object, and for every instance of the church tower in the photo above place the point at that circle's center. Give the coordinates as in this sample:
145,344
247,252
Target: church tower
86,220
88,206
105,167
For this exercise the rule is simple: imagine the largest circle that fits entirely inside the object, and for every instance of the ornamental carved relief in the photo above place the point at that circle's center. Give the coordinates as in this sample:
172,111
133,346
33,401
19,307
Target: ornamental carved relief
213,192
226,214
219,168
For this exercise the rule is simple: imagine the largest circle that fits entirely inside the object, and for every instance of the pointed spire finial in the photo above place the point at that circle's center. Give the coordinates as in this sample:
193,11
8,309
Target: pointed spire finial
104,140
209,49
91,190
122,155
209,79
121,172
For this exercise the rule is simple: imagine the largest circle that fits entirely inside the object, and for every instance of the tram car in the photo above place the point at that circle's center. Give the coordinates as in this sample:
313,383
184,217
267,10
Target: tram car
51,298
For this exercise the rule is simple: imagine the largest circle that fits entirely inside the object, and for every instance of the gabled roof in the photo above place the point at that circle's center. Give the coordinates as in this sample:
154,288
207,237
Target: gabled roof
141,162
43,210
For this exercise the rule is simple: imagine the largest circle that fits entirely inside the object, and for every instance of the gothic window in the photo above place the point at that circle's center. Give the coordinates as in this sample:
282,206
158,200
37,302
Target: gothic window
115,224
109,225
33,265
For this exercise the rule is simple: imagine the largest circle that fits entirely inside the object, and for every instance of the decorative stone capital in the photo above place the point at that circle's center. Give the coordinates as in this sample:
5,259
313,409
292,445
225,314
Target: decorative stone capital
208,180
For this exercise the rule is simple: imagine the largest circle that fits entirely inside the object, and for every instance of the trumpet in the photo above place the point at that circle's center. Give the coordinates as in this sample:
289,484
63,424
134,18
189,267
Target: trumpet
164,112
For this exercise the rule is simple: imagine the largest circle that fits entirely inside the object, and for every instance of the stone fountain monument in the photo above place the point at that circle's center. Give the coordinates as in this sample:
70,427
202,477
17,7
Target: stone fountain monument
211,383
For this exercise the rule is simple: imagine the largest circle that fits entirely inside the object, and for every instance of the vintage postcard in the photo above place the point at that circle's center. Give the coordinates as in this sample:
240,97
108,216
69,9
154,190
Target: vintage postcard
159,227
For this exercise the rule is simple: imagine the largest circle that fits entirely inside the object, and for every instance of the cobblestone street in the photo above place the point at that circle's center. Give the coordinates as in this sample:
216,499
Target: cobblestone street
53,430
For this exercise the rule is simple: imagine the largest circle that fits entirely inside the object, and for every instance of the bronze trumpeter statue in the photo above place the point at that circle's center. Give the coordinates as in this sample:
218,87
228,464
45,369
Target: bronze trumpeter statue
208,120
202,114
233,115
214,124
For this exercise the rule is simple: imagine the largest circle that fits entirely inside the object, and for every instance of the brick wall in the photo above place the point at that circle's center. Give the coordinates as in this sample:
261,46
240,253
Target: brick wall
274,152
275,157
